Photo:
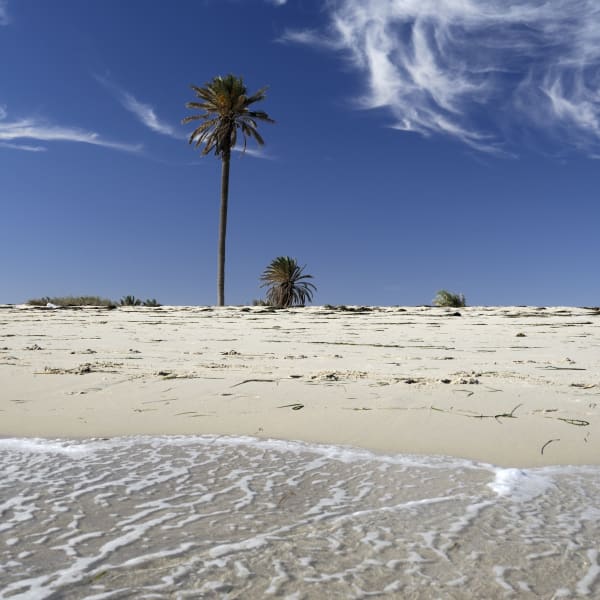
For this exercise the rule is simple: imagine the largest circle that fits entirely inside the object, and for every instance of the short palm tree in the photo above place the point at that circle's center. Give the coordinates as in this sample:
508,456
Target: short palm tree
225,109
286,282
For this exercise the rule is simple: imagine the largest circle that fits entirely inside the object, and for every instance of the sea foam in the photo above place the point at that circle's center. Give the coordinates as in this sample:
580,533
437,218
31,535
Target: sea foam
230,517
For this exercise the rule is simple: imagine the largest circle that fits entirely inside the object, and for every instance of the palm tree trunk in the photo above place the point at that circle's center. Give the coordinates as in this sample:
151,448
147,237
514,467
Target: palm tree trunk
222,228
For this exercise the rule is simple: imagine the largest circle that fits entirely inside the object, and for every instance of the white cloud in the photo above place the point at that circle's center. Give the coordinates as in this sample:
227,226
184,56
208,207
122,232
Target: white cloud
277,2
23,147
144,112
32,129
253,152
473,69
4,18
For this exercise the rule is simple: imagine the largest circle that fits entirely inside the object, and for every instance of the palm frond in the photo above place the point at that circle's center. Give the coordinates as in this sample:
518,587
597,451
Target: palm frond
224,109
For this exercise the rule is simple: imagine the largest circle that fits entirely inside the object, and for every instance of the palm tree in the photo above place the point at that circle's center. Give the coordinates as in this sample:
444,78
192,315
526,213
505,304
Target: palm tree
225,109
286,286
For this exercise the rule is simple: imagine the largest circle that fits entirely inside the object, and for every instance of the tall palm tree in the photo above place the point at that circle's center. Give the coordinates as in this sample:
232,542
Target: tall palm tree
225,109
287,287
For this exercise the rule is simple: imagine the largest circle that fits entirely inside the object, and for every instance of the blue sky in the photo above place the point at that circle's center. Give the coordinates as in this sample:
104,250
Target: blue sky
419,145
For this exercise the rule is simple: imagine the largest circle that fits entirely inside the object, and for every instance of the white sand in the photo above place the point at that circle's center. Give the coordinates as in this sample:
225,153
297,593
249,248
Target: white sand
410,380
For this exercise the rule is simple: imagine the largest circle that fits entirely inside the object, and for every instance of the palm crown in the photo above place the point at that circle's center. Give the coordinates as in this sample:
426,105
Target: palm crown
287,287
225,109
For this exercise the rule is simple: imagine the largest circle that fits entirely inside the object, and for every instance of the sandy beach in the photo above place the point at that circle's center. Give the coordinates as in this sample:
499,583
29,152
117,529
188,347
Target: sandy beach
510,386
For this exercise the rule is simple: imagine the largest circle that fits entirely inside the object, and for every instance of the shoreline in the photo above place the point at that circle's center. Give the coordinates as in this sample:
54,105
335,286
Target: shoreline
506,386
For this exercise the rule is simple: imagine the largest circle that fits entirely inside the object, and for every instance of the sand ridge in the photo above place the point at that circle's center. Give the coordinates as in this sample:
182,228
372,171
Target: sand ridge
514,386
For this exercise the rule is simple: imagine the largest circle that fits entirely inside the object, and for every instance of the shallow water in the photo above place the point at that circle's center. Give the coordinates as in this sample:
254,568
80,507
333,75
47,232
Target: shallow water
219,517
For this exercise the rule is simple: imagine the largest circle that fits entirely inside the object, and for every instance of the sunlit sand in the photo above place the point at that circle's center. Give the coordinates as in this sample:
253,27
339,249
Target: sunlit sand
509,386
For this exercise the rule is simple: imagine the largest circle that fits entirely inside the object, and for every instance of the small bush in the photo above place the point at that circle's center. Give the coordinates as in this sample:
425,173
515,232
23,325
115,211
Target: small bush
71,301
260,302
130,301
445,298
151,302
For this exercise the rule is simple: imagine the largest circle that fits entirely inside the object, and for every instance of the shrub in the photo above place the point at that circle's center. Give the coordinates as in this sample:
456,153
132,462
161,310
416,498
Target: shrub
71,301
260,302
151,302
130,301
445,298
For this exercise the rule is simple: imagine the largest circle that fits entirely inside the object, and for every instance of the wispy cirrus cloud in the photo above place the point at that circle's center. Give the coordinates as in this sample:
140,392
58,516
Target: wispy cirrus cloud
475,70
23,147
145,113
4,18
36,129
253,152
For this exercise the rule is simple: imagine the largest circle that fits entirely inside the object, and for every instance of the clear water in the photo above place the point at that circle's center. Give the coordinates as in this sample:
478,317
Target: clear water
219,517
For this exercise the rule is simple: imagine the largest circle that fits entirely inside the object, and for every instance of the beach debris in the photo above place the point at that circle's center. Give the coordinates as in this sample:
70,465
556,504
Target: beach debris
174,375
548,442
254,381
338,375
285,496
220,366
464,378
520,335
294,406
350,309
34,347
230,353
505,415
576,422
97,367
584,386
87,351
328,376
469,393
466,381
10,358
98,576
409,380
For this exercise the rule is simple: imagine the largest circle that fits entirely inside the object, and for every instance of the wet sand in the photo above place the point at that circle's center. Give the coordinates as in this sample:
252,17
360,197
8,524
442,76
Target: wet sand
510,386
